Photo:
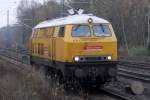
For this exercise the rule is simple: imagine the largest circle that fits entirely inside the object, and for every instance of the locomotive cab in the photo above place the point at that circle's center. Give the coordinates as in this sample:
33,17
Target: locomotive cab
90,40
91,51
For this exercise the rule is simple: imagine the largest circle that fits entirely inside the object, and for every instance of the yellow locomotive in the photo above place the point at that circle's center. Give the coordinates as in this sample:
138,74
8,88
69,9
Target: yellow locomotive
80,46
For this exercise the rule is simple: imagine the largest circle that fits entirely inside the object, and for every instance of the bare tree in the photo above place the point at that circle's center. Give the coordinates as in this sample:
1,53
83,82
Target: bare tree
31,13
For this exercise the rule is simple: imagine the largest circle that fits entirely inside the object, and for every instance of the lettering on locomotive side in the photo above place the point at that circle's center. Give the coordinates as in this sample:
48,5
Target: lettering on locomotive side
93,48
46,51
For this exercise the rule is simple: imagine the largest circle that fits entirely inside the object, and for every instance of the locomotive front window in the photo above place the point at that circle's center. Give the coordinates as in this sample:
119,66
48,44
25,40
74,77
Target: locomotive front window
81,31
102,30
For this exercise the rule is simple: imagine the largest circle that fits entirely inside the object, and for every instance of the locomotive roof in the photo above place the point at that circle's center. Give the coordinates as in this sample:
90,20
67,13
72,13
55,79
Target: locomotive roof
72,19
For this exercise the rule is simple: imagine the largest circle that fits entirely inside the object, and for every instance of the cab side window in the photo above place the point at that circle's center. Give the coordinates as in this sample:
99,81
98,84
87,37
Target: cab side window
61,31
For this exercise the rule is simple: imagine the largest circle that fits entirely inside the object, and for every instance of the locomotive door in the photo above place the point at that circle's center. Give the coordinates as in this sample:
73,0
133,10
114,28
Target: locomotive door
53,48
53,44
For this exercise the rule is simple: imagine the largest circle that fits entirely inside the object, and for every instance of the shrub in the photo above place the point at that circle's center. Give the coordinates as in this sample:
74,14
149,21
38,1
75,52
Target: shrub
16,84
137,51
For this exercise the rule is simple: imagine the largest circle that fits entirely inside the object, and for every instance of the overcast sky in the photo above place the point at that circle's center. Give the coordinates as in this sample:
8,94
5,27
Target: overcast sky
10,5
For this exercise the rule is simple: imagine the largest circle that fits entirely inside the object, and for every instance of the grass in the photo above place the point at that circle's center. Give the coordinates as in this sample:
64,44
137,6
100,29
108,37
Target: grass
24,85
138,51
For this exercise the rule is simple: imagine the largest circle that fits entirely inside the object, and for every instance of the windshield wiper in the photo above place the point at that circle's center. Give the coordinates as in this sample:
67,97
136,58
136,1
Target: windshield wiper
102,27
76,28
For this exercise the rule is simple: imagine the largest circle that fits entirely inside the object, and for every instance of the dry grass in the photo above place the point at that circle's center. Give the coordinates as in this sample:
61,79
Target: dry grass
25,85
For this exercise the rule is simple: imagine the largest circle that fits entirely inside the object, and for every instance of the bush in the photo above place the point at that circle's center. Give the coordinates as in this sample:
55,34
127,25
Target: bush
16,84
122,51
137,51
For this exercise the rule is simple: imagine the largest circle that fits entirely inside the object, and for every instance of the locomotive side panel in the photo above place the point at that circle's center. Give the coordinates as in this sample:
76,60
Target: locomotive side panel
41,45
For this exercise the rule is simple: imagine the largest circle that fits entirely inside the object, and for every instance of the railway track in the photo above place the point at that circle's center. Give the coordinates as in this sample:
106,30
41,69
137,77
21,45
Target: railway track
104,93
138,71
134,75
20,58
16,59
133,64
111,91
135,70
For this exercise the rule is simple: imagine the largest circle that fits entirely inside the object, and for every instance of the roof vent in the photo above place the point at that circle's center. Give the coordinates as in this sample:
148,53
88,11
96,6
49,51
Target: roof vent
71,12
80,11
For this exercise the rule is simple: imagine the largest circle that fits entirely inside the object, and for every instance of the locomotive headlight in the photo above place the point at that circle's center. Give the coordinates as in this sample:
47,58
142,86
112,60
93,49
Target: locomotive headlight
90,20
109,57
76,58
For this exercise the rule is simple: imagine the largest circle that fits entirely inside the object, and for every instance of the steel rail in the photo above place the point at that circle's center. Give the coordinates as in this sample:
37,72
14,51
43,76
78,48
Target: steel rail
19,63
126,66
106,92
134,75
122,62
116,94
